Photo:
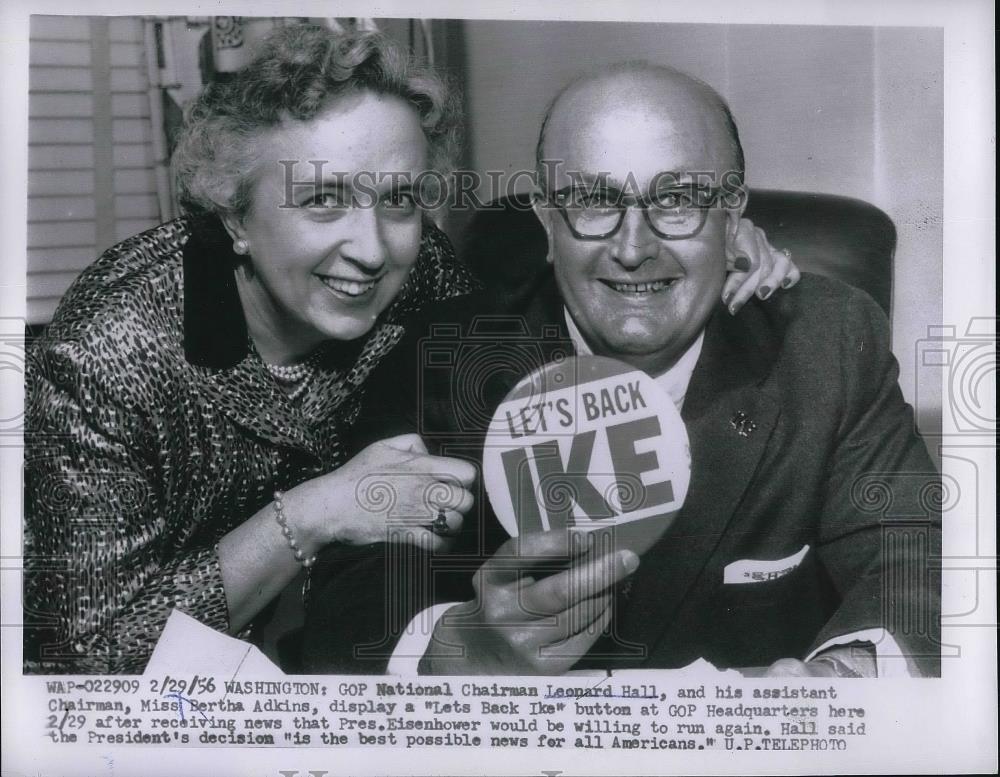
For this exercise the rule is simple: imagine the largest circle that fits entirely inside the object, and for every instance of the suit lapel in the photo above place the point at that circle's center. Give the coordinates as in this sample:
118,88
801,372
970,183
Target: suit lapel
729,417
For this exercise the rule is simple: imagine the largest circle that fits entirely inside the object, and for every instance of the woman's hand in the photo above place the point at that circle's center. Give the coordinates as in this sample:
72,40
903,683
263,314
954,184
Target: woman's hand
392,491
755,266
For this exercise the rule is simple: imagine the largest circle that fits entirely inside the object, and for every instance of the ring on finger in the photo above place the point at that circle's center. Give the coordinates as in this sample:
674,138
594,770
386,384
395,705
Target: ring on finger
440,524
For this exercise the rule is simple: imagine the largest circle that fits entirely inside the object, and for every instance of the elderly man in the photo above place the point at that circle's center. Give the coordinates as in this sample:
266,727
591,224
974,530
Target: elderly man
789,406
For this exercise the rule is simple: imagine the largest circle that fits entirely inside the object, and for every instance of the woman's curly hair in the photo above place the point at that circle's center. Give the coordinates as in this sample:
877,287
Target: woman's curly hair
296,73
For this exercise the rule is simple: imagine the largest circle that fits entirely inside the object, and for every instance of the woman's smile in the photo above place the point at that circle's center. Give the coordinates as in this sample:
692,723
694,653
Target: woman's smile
348,289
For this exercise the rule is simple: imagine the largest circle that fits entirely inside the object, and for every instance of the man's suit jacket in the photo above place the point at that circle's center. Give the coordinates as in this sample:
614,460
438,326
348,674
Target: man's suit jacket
799,438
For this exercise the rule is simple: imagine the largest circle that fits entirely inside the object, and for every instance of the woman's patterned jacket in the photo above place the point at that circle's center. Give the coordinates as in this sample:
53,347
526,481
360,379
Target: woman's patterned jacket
152,429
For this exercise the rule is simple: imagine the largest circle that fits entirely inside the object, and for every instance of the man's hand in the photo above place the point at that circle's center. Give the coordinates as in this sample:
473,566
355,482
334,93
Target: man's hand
519,624
844,661
755,267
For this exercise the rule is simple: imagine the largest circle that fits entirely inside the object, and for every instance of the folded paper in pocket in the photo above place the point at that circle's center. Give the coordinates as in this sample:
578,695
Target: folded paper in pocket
748,570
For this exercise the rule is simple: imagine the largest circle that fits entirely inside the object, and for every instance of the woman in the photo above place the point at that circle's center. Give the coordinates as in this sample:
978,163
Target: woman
187,404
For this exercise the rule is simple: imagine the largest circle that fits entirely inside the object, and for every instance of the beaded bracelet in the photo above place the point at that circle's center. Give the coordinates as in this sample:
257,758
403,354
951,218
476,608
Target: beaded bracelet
286,530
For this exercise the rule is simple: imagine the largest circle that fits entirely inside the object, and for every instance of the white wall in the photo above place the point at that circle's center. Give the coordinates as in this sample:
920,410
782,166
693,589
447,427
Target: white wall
855,111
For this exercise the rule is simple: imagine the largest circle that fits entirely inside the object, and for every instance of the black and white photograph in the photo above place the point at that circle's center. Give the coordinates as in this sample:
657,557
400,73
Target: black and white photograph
496,390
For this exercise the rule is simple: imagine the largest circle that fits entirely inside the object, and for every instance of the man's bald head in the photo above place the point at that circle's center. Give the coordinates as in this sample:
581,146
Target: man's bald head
642,208
624,92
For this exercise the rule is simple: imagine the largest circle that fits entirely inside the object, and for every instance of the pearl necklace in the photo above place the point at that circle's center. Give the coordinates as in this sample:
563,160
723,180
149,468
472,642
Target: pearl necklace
293,378
290,373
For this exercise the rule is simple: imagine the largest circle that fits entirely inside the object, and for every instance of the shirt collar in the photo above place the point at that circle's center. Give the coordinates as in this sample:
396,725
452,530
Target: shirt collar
674,381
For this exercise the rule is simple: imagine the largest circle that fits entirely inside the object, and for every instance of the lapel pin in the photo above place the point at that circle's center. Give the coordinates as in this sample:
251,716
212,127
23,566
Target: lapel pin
742,424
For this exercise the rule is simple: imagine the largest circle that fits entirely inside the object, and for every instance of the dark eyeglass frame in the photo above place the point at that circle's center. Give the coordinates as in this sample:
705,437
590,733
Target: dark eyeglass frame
644,203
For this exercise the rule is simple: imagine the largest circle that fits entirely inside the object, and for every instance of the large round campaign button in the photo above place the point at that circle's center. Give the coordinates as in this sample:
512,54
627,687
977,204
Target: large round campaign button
588,444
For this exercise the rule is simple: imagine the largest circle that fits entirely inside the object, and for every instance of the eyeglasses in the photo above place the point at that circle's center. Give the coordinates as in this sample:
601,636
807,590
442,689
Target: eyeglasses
597,213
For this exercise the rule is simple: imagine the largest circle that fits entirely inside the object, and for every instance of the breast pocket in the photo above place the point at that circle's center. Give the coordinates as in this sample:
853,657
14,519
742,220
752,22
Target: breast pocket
771,608
750,571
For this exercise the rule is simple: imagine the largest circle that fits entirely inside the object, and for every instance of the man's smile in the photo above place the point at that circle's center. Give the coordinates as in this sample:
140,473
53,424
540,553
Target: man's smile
644,288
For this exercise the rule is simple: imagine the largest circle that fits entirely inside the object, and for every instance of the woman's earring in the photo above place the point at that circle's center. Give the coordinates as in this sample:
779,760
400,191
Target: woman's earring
241,246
